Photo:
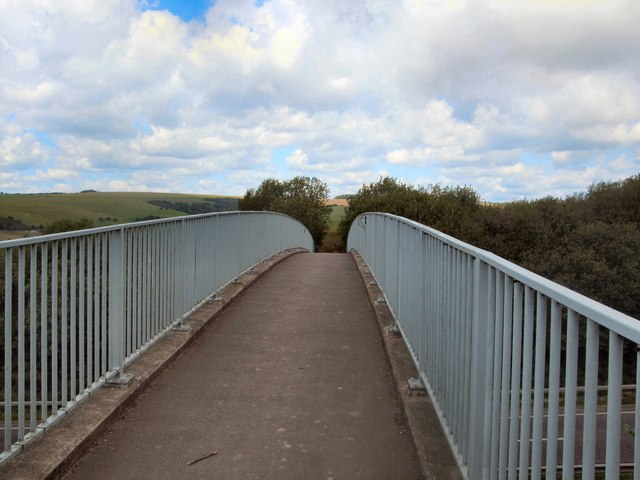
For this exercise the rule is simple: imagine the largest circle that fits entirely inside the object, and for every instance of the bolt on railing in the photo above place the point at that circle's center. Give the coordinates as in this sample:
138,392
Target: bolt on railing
76,307
513,362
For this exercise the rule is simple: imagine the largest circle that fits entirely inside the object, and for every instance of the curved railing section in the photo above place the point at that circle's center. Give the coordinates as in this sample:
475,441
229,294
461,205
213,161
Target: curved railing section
526,375
77,306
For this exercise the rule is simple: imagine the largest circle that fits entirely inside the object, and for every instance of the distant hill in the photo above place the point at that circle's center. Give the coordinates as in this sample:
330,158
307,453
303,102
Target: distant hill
107,208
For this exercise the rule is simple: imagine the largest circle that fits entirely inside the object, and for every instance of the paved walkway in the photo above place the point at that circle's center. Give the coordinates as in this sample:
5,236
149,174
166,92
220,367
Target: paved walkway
290,382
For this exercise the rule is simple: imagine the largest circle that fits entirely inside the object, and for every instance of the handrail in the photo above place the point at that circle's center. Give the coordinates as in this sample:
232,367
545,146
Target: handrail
497,346
109,228
76,307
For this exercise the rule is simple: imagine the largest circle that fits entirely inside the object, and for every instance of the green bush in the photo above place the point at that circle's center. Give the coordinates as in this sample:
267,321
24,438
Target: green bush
67,225
449,209
302,198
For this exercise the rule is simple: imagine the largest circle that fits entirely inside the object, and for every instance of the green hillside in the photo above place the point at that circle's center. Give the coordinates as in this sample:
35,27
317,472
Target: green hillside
111,207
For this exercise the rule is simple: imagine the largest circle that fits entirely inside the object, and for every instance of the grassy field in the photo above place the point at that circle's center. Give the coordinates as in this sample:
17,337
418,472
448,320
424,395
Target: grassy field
337,212
112,207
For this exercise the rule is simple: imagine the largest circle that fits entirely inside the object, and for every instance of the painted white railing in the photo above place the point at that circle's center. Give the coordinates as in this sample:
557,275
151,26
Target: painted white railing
78,306
512,361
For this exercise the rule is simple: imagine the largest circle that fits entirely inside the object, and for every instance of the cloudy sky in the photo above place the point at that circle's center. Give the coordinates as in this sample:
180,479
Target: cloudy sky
516,98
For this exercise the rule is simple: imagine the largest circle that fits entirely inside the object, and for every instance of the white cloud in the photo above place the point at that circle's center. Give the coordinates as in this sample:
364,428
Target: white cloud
619,135
300,161
514,98
54,174
20,151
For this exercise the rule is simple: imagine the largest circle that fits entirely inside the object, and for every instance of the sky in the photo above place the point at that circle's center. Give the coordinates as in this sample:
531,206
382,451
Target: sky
515,98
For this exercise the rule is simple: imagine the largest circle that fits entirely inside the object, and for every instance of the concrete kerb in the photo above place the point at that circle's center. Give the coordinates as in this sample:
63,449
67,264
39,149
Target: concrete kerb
432,447
55,451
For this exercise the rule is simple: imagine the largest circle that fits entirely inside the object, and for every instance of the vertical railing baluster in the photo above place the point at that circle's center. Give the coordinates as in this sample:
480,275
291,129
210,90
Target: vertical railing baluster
129,278
139,299
33,338
90,309
64,326
147,285
153,253
527,378
498,290
96,308
590,401
8,347
182,276
571,383
480,392
73,321
507,388
164,306
82,314
538,389
116,321
21,331
468,357
159,279
44,332
614,407
54,328
104,277
553,399
516,358
458,387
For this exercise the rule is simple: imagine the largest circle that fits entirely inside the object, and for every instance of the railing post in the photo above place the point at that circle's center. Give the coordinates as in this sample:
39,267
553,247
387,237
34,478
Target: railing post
8,348
116,306
479,392
180,285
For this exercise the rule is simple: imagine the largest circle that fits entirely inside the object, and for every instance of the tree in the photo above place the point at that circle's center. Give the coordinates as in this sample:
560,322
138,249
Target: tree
611,202
302,198
448,209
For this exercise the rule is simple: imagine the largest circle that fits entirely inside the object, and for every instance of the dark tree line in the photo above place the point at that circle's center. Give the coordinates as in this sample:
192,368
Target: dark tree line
210,205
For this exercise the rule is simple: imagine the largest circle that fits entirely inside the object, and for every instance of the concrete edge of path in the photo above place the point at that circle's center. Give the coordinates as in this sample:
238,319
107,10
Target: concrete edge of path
61,445
431,444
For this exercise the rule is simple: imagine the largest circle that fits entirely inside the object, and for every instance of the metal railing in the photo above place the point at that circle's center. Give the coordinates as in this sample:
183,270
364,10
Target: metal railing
513,362
77,306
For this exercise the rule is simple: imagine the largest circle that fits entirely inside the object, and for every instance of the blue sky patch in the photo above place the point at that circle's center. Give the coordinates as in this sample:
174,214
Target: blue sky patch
142,126
279,158
44,138
187,10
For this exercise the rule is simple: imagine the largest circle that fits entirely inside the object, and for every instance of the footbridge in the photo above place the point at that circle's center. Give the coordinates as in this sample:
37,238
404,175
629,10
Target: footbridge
219,346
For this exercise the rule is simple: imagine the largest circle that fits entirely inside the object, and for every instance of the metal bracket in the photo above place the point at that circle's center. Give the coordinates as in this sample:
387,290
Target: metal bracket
393,329
417,386
121,380
381,300
181,328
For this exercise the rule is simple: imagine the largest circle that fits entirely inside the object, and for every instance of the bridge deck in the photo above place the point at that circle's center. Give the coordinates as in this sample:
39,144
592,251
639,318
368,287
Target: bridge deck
291,381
